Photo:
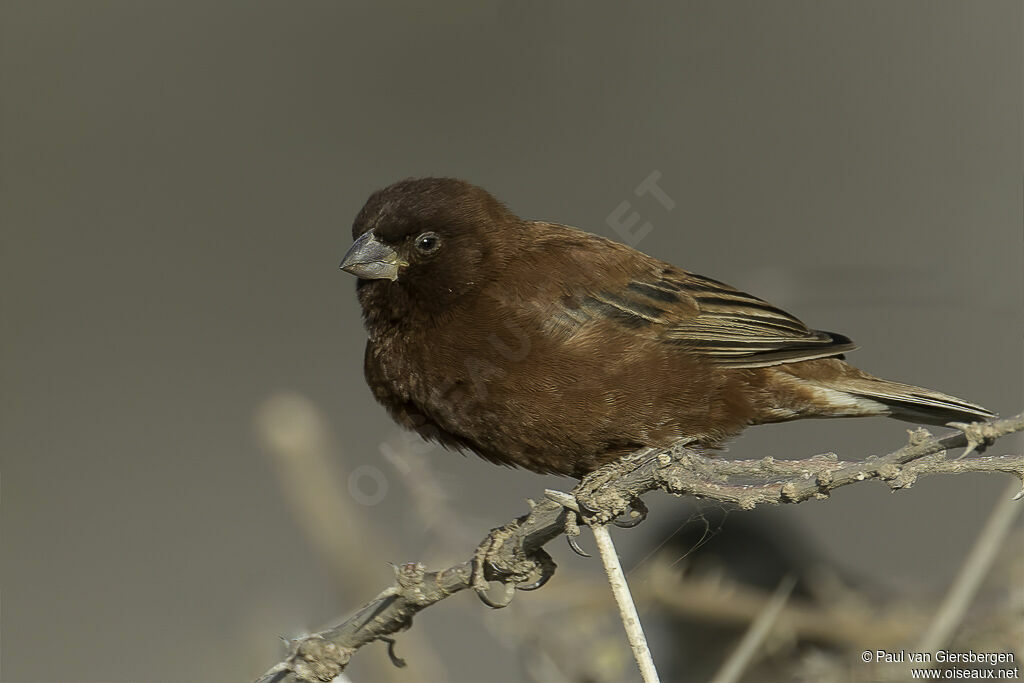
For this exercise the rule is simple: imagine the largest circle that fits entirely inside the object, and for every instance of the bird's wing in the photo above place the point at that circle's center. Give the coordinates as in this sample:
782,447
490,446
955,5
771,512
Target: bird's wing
702,315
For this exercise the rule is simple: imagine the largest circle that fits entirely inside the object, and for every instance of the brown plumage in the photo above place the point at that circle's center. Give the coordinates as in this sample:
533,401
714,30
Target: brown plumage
537,345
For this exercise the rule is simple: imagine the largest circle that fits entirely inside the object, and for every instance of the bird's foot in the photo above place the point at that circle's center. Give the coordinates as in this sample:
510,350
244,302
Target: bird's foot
579,510
979,436
511,573
603,500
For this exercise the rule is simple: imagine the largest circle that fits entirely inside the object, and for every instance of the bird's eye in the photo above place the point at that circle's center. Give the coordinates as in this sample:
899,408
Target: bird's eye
428,243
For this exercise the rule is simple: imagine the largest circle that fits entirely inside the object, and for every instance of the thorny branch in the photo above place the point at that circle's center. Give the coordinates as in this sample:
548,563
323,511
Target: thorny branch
513,554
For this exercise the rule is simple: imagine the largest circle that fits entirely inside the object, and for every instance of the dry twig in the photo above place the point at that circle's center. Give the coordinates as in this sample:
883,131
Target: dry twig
513,555
624,600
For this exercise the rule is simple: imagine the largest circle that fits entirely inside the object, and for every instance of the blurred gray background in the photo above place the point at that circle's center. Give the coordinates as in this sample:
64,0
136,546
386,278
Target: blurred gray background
178,181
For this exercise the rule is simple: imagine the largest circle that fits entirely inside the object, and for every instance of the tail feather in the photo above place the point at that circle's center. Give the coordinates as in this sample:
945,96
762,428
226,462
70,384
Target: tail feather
914,404
910,403
833,388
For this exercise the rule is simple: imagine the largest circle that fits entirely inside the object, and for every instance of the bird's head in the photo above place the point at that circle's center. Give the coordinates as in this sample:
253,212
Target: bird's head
428,240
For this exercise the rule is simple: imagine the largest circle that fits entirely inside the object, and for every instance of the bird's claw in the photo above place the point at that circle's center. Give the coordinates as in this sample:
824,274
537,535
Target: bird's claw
572,532
637,513
508,592
546,569
587,510
572,527
575,545
977,434
480,582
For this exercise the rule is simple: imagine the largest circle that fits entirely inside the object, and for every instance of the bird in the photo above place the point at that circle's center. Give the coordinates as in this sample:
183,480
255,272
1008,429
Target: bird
537,345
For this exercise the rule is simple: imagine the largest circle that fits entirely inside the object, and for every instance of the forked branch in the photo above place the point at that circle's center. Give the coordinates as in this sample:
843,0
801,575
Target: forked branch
513,555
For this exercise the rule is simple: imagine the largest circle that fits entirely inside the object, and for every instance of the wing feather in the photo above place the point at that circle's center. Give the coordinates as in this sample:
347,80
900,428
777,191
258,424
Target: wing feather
707,317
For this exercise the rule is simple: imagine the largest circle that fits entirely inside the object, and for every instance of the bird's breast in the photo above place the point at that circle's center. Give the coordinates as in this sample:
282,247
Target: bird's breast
514,393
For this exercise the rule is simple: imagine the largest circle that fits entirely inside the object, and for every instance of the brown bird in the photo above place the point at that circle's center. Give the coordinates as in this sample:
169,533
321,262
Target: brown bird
541,346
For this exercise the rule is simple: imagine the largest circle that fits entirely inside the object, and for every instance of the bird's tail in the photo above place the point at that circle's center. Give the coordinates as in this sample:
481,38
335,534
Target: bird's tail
915,404
849,392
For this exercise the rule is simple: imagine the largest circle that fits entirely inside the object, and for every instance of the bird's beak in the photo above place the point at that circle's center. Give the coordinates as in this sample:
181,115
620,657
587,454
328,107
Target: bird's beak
370,259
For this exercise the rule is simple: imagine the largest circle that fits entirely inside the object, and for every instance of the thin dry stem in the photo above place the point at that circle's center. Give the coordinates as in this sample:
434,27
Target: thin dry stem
623,598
